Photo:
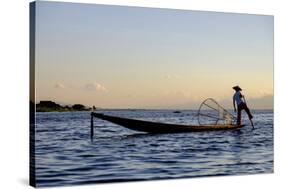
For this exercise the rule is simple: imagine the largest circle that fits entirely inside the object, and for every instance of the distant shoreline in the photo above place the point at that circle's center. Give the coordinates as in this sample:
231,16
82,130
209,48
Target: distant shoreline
50,106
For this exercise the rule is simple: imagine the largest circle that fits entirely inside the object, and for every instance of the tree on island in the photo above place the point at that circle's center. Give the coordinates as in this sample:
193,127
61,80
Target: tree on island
50,106
78,107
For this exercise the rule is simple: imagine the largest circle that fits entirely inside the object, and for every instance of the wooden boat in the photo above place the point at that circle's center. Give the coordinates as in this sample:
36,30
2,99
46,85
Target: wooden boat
155,127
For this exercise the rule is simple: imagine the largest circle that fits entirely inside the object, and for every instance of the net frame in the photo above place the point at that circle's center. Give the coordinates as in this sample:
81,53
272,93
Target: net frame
221,115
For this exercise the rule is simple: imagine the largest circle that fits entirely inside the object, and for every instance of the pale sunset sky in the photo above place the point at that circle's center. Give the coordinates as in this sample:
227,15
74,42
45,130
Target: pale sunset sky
130,57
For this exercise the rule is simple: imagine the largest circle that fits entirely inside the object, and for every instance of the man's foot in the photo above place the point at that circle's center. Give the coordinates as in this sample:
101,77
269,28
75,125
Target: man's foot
252,124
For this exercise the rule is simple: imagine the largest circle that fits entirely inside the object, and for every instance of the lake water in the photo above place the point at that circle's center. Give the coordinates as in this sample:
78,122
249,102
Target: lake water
65,154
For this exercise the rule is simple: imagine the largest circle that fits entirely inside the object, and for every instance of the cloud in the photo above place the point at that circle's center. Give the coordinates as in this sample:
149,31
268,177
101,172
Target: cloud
167,76
171,77
95,87
264,94
259,102
59,86
264,102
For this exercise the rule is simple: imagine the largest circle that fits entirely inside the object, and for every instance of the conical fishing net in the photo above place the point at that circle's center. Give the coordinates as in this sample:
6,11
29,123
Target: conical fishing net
211,113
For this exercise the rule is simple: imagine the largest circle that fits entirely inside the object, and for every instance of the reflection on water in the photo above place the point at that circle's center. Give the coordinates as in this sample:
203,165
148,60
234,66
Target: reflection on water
66,155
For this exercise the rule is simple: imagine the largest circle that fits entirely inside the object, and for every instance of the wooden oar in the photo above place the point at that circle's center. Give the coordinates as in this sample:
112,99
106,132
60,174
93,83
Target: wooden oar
247,106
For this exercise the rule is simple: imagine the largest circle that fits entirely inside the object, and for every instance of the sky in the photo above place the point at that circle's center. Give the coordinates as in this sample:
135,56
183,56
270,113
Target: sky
132,57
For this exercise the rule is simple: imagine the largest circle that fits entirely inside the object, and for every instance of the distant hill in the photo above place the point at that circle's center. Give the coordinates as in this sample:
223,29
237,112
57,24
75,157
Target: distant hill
50,106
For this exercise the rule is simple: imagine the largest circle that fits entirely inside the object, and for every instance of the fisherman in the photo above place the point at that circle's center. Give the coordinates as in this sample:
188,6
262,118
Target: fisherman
241,105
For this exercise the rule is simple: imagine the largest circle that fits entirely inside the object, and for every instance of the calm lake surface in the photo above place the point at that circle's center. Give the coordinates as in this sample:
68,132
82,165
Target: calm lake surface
65,154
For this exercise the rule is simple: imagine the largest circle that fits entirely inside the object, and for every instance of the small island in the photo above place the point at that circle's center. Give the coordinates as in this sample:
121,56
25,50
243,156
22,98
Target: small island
50,106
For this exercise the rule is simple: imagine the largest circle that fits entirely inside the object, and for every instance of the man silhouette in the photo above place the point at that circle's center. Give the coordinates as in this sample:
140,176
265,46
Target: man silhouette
241,105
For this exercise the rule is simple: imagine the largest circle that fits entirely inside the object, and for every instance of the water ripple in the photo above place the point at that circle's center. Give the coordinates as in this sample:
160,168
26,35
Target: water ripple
65,154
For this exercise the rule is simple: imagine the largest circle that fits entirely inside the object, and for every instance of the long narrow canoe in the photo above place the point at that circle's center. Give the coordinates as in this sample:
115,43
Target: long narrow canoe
155,127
